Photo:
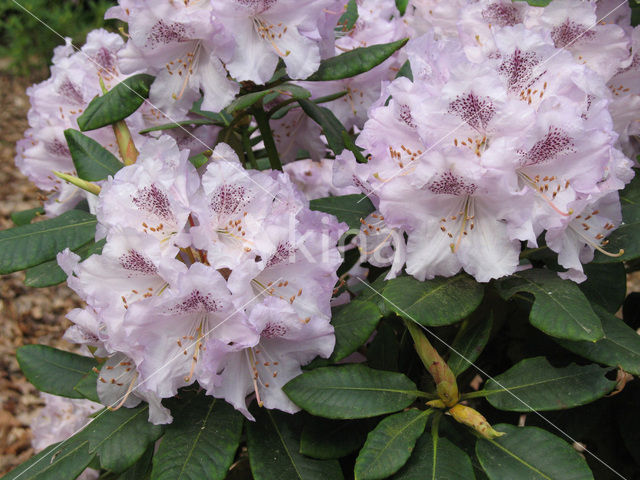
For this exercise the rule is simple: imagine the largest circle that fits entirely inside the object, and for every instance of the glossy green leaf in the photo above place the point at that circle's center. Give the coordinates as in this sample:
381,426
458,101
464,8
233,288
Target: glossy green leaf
117,104
52,370
389,445
141,470
560,309
436,459
244,101
383,351
533,384
64,460
273,445
606,285
347,208
353,323
29,245
356,61
49,273
530,453
331,126
201,442
326,439
93,162
536,3
441,301
402,6
619,346
199,160
348,19
86,387
351,391
26,216
121,437
469,343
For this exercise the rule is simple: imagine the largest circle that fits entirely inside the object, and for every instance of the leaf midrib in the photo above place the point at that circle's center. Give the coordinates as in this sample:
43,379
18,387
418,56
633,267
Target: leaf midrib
521,460
505,389
119,428
38,232
195,441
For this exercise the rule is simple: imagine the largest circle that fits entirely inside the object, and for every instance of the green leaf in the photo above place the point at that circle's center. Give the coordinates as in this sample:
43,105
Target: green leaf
52,370
200,443
29,245
326,439
349,17
117,104
356,61
64,460
530,453
347,208
560,308
606,285
121,437
402,6
533,384
93,162
273,445
26,216
383,351
49,273
140,470
441,301
182,124
619,346
199,160
244,101
405,71
351,391
86,387
353,323
436,458
389,445
331,126
469,343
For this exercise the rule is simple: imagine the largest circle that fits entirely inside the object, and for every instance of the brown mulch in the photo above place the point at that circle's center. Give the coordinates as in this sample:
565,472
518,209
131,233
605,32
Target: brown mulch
29,315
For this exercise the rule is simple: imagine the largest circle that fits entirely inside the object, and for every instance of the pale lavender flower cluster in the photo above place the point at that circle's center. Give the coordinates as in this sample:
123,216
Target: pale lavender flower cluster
505,133
224,279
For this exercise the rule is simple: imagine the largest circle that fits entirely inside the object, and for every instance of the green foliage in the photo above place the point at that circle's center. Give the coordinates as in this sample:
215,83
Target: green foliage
201,442
93,162
353,323
389,445
117,104
324,439
52,370
531,453
22,32
346,208
469,342
29,245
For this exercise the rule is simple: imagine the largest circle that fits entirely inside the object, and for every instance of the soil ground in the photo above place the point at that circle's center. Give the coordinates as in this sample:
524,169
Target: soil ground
29,315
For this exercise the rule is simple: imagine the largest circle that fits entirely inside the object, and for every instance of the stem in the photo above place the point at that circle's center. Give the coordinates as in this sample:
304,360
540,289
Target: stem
267,137
478,394
446,385
128,150
246,143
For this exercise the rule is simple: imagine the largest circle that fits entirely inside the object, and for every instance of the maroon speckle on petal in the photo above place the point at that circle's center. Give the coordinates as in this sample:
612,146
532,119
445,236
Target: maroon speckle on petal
405,116
56,147
71,92
518,69
153,200
570,33
105,59
165,33
197,302
501,14
257,6
555,142
272,330
134,261
450,184
281,255
228,199
475,111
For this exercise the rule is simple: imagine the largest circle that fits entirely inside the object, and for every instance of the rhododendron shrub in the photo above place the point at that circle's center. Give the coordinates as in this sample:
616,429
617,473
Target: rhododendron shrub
324,240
